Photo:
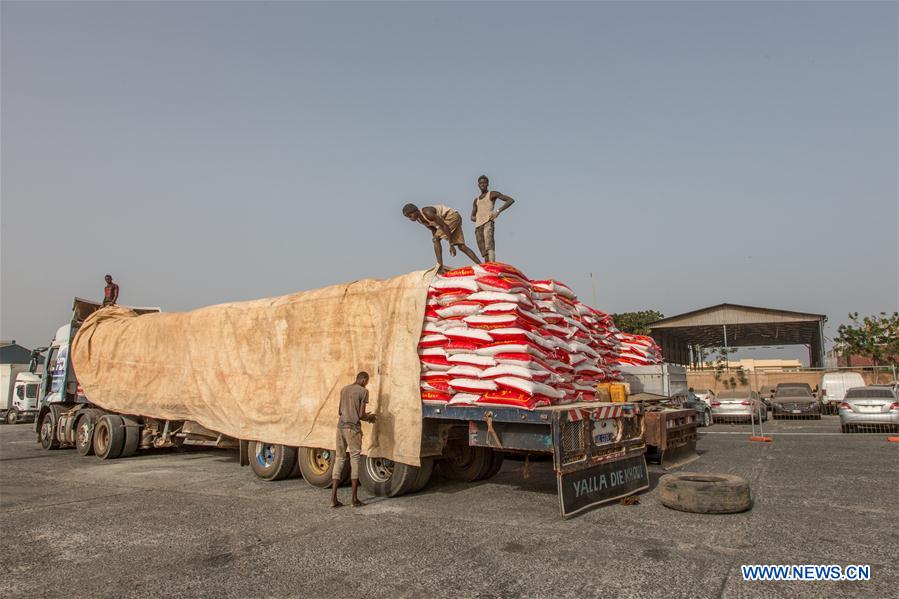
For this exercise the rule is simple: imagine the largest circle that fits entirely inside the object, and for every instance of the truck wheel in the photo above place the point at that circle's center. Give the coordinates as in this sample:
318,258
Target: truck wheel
47,431
270,461
424,475
496,462
316,466
132,437
385,478
464,463
109,437
702,493
12,416
84,432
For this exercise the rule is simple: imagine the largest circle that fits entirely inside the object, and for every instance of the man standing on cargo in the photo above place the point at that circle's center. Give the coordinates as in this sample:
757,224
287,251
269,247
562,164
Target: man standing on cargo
444,223
349,435
483,215
111,292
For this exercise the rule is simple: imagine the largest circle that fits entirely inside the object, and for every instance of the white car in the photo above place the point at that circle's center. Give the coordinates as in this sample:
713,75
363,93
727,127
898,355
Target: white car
874,408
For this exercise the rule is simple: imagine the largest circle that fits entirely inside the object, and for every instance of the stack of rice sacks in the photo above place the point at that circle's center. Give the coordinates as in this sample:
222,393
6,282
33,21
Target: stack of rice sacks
637,350
493,337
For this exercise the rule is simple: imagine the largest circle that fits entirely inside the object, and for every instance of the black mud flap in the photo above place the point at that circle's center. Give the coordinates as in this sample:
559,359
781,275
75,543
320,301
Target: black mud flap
582,489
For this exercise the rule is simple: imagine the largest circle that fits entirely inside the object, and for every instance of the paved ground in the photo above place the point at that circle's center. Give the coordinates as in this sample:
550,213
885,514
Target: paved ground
196,524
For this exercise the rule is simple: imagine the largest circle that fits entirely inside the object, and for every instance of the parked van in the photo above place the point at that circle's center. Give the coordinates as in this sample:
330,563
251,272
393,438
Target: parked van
834,386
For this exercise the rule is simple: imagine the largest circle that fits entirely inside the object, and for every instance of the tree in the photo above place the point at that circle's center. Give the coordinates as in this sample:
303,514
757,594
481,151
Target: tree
636,322
720,365
875,337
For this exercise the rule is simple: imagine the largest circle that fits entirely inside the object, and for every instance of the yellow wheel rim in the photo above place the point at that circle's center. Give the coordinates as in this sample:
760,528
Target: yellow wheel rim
319,460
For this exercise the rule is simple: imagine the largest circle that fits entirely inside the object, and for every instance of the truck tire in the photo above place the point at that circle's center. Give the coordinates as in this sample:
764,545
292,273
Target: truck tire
385,478
465,463
703,493
496,462
317,466
47,430
132,437
84,431
270,461
424,475
109,437
12,416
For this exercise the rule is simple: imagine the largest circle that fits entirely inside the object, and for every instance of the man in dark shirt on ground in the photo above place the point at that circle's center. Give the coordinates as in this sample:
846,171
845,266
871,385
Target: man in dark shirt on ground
351,412
111,292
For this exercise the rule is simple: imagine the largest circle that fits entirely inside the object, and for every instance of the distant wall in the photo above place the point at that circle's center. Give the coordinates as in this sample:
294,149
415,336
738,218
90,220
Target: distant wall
757,380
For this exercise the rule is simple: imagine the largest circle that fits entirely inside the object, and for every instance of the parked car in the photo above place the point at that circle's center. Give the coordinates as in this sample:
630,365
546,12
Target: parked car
795,401
805,386
869,407
706,395
738,405
834,386
767,394
702,407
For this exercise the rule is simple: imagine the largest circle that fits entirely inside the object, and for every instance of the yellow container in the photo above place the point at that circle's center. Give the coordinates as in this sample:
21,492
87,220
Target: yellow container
603,392
618,391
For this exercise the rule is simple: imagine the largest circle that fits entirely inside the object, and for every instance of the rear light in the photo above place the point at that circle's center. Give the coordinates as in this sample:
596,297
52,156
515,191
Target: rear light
845,406
894,406
745,403
715,403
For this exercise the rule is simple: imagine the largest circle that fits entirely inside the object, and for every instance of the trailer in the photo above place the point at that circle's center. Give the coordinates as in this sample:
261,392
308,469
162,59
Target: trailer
597,449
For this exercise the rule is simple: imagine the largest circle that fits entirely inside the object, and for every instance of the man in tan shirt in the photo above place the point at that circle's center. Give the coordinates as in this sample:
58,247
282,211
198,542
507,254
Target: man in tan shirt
484,216
444,223
351,412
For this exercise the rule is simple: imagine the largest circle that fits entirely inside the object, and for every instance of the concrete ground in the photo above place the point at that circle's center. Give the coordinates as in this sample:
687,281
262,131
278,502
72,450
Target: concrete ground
196,524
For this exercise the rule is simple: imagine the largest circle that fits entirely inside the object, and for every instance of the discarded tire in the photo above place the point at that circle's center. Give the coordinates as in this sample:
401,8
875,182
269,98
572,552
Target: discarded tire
703,493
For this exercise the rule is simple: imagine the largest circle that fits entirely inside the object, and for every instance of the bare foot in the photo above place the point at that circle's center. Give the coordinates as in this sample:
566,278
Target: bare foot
358,503
336,503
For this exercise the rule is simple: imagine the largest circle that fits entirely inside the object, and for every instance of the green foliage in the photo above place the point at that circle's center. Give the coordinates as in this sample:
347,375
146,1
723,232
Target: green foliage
875,337
636,322
720,357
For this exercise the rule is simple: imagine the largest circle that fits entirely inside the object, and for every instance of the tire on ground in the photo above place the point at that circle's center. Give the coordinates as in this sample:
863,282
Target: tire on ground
317,466
385,478
47,429
109,437
132,437
270,461
12,416
84,431
703,493
496,462
465,463
424,475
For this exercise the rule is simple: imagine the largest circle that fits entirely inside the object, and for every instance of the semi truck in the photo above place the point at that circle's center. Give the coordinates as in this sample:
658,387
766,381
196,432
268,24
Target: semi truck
19,388
597,449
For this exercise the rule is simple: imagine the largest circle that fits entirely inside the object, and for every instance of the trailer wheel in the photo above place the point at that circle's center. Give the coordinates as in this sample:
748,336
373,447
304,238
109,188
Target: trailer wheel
424,475
270,461
385,478
12,416
109,437
47,430
84,431
132,437
464,463
702,493
496,462
317,466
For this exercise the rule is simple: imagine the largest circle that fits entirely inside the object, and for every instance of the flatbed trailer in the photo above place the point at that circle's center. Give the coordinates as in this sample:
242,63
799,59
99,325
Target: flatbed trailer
597,448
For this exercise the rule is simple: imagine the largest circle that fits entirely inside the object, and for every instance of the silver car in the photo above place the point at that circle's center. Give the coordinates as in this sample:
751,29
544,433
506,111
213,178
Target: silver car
738,405
872,408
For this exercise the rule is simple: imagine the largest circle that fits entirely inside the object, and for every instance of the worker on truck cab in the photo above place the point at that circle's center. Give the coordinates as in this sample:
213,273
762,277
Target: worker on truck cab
484,216
444,223
110,292
351,411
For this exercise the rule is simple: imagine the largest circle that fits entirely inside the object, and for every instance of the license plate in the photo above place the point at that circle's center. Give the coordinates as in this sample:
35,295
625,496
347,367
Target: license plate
591,486
869,409
797,411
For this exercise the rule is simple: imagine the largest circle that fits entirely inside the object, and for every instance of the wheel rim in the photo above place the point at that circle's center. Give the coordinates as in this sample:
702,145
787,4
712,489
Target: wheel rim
319,460
379,470
84,436
46,430
11,417
265,454
102,438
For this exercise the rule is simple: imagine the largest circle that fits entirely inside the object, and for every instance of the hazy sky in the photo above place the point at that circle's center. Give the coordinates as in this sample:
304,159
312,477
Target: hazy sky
687,154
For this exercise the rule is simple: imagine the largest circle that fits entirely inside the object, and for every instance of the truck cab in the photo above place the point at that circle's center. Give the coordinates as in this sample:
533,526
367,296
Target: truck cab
24,400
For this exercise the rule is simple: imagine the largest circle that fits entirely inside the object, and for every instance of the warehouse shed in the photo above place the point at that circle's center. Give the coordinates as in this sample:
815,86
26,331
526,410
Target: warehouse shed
683,336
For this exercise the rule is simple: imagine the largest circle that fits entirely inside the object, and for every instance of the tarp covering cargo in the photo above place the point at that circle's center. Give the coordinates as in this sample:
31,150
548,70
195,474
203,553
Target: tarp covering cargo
271,369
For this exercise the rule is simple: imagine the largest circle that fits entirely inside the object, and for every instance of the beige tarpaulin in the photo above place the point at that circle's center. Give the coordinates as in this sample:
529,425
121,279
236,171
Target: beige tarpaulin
271,369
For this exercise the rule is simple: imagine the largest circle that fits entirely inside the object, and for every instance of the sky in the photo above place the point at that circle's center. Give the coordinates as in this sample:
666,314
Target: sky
685,154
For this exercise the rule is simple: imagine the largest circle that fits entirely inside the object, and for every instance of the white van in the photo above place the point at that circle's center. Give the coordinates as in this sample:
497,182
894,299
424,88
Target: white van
834,386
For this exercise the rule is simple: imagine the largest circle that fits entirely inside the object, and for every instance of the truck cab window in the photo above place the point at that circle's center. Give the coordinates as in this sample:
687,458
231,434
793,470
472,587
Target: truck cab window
31,391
